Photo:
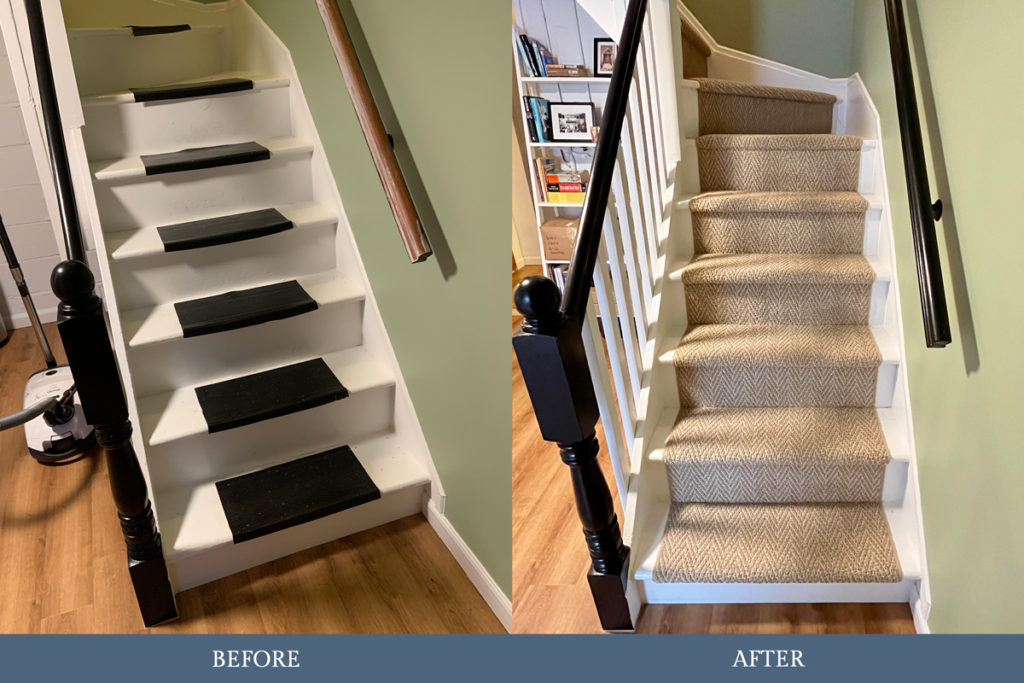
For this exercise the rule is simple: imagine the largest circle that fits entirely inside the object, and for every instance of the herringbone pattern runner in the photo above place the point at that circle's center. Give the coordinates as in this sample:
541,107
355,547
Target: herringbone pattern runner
777,460
778,222
807,543
729,107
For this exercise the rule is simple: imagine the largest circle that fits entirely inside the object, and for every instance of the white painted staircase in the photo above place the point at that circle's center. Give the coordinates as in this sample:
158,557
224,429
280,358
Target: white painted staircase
243,320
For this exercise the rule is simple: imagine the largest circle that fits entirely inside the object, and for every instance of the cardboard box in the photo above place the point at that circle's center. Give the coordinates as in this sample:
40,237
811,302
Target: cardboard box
558,237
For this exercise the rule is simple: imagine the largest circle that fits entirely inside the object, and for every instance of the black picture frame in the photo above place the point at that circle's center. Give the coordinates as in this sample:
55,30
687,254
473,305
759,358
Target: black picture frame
600,43
590,121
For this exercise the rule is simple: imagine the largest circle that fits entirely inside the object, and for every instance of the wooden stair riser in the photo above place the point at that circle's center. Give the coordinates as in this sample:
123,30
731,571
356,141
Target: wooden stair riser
179,197
165,366
133,128
207,457
108,61
176,276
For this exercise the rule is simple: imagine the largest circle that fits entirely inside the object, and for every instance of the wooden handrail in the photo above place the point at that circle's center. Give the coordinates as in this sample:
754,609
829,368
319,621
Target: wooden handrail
409,226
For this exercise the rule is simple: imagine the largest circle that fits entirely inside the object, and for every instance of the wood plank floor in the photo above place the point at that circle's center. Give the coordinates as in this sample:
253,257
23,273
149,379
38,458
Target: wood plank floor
550,560
63,567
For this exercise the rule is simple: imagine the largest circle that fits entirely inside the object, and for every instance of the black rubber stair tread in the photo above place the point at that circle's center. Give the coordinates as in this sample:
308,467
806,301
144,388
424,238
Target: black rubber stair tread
184,90
294,493
210,232
204,157
158,30
243,308
272,393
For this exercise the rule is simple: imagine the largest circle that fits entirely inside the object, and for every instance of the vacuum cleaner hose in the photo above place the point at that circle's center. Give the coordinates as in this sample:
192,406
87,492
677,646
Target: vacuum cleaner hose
28,414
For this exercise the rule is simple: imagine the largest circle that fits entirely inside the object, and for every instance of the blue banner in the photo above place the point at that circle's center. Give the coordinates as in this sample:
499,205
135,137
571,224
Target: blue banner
519,659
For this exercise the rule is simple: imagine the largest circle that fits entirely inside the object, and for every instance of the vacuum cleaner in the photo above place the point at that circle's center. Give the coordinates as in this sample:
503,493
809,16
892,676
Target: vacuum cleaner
55,426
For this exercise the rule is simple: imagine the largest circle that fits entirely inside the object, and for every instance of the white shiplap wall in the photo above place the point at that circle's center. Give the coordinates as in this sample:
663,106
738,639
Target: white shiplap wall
24,210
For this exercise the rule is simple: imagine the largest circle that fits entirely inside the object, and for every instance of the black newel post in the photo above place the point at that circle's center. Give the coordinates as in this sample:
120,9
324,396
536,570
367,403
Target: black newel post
83,331
554,366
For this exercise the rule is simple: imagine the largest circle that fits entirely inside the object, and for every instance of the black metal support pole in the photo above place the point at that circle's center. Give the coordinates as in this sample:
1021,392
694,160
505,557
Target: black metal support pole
83,331
554,366
923,213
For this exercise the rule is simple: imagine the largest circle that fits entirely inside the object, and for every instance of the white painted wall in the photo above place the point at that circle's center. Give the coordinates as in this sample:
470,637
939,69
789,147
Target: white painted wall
24,210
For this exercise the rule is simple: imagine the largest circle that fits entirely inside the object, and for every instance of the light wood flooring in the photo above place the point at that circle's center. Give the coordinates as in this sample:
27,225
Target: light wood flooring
63,566
550,560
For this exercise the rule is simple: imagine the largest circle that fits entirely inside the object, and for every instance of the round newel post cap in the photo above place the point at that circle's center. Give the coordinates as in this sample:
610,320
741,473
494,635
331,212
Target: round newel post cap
72,281
537,298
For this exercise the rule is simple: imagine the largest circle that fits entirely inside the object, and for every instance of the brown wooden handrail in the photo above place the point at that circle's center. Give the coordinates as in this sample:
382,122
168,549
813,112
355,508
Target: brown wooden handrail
409,226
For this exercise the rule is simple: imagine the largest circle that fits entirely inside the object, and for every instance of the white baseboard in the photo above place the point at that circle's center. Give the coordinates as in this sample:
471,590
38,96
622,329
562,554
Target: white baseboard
919,609
488,588
20,319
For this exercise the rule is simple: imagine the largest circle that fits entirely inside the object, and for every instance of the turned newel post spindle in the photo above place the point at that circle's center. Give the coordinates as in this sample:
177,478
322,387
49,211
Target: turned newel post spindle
554,365
83,331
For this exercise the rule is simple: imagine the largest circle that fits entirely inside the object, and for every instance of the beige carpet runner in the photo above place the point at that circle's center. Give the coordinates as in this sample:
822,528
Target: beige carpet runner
777,459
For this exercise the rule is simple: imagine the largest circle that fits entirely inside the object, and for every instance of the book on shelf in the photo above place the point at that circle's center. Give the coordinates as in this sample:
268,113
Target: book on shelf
531,123
542,166
565,197
543,56
566,71
567,187
540,113
526,52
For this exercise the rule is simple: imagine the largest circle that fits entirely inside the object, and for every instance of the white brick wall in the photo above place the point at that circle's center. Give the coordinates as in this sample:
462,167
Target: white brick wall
24,211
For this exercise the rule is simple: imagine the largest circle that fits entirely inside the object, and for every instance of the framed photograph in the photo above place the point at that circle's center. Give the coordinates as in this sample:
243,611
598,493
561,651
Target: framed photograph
605,50
572,121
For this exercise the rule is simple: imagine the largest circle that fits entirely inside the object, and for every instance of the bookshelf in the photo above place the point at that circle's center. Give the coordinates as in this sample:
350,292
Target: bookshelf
573,156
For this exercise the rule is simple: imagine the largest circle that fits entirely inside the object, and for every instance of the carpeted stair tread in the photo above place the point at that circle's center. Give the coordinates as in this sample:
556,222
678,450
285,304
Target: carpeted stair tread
778,202
789,543
767,269
779,163
815,142
778,222
721,86
778,345
733,107
776,455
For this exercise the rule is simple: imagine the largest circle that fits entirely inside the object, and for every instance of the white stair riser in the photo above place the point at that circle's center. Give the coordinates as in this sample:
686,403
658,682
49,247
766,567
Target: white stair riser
191,195
743,593
106,62
183,362
188,571
866,180
132,128
895,487
194,273
192,460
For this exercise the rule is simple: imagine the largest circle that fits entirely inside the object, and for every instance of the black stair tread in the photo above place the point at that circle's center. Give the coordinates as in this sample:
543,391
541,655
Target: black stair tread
158,30
243,308
210,232
294,493
197,158
272,393
179,91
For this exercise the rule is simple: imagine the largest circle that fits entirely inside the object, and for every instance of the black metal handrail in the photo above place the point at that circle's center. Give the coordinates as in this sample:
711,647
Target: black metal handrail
83,332
553,360
588,240
923,213
59,165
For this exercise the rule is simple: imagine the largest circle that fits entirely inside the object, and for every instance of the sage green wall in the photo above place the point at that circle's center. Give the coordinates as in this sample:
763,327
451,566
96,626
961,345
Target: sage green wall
444,64
813,35
967,398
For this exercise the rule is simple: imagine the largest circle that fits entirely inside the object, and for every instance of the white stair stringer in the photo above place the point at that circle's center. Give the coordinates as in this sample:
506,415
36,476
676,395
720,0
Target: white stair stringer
648,498
124,207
